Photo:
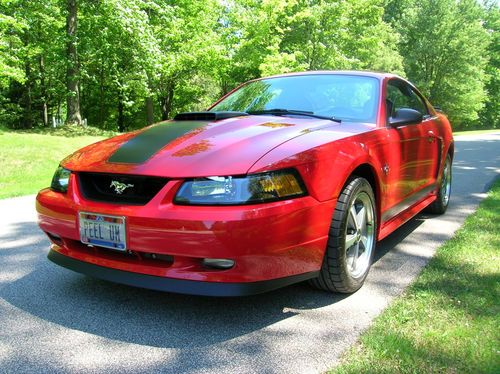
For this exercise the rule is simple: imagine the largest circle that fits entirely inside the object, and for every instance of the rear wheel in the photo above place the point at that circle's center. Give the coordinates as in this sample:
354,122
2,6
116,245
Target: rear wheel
440,205
351,240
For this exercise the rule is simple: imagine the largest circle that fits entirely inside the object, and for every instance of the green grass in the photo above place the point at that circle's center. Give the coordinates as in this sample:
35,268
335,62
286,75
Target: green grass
448,321
476,132
28,160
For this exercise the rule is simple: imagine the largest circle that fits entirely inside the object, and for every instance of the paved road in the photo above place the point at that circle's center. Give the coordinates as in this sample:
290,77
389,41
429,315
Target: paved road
54,320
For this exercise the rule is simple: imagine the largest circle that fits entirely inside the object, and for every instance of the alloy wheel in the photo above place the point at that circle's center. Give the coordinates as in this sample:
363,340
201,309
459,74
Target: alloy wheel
446,183
360,235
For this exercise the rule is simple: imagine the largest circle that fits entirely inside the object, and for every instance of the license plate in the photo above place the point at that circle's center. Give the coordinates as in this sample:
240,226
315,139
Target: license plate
103,230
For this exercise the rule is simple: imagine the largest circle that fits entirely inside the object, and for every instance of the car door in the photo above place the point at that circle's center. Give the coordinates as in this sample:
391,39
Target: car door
413,156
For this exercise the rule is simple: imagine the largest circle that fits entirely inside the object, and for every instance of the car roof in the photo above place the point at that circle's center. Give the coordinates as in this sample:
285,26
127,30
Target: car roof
374,74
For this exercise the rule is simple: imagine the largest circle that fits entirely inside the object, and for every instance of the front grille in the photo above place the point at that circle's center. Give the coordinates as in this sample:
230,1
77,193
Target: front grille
135,189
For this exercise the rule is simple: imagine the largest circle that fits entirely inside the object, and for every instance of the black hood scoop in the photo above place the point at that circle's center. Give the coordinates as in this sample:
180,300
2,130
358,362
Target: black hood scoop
207,116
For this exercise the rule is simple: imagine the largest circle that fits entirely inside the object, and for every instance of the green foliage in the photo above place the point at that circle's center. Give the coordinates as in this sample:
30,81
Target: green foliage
115,60
10,45
31,48
444,43
340,35
490,115
145,60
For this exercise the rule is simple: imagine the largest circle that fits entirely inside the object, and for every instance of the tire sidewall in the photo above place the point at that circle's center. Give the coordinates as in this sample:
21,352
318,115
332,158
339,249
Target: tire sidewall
358,185
438,207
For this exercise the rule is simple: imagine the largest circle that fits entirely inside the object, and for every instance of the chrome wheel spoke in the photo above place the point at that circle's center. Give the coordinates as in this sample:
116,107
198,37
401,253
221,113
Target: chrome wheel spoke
353,215
359,236
364,241
355,256
361,218
350,240
350,261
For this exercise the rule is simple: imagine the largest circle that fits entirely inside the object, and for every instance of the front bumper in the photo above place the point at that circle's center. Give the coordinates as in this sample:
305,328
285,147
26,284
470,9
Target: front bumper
175,285
272,244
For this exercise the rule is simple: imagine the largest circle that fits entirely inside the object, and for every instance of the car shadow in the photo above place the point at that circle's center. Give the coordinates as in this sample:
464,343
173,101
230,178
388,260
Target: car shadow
149,317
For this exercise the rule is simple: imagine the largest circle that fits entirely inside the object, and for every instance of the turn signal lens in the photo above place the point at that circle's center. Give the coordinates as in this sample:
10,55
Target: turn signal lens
60,180
280,184
250,189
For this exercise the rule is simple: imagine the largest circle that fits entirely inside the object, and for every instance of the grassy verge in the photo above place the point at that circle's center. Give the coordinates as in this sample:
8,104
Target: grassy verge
448,320
476,132
28,159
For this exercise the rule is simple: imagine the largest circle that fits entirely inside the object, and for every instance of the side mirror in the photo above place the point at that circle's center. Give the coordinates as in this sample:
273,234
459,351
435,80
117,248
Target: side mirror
405,116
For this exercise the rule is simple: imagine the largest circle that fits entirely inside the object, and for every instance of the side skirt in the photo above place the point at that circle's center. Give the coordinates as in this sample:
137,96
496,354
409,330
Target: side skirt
403,217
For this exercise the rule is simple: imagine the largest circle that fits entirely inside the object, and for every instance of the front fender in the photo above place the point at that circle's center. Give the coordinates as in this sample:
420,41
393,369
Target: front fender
324,165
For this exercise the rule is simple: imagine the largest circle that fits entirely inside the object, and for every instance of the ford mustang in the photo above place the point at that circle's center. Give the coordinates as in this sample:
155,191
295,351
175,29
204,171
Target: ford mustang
285,179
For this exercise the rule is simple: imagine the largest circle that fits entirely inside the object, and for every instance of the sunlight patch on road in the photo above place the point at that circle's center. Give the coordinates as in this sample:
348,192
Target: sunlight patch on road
95,352
18,243
9,276
5,352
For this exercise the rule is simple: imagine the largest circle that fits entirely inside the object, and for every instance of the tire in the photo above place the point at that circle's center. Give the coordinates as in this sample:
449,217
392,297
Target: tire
346,266
442,201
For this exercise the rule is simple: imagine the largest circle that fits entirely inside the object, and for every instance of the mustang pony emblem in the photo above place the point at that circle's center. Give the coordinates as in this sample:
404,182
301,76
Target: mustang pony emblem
120,187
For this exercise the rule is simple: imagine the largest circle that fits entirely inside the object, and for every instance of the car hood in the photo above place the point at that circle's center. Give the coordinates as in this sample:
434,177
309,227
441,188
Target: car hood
180,149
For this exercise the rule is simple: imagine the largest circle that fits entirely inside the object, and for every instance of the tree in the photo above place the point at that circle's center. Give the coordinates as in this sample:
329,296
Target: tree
30,59
490,115
341,35
121,64
274,36
443,44
116,62
186,33
73,116
10,45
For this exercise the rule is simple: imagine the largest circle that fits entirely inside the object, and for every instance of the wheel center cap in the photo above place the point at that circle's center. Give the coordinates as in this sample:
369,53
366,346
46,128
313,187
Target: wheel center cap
358,235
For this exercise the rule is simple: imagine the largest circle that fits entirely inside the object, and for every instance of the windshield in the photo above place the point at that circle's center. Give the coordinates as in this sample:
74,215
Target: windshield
346,97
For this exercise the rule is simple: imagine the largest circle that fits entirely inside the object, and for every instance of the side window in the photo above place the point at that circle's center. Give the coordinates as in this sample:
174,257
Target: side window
395,99
417,103
400,95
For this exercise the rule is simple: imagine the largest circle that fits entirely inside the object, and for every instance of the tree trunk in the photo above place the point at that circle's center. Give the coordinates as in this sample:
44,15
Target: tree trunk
121,116
166,101
101,92
58,111
43,89
72,74
28,111
150,117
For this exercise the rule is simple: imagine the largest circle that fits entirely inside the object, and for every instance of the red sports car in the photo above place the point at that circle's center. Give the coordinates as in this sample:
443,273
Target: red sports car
285,179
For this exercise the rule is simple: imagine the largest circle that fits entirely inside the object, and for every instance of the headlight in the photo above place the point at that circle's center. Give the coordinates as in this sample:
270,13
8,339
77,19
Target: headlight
60,180
250,189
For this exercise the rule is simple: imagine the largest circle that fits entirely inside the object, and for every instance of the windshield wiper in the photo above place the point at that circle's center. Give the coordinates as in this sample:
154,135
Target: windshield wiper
282,112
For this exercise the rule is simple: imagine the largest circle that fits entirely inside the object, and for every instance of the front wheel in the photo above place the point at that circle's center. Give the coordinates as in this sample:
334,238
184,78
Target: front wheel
351,240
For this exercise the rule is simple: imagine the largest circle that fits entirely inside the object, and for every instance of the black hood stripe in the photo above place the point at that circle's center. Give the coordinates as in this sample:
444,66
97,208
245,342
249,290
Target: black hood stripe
142,147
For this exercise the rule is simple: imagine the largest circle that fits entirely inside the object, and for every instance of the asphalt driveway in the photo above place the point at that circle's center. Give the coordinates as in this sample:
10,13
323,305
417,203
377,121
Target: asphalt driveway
54,320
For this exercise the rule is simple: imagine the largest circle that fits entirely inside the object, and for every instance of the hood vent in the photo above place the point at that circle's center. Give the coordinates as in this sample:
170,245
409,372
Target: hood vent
207,116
